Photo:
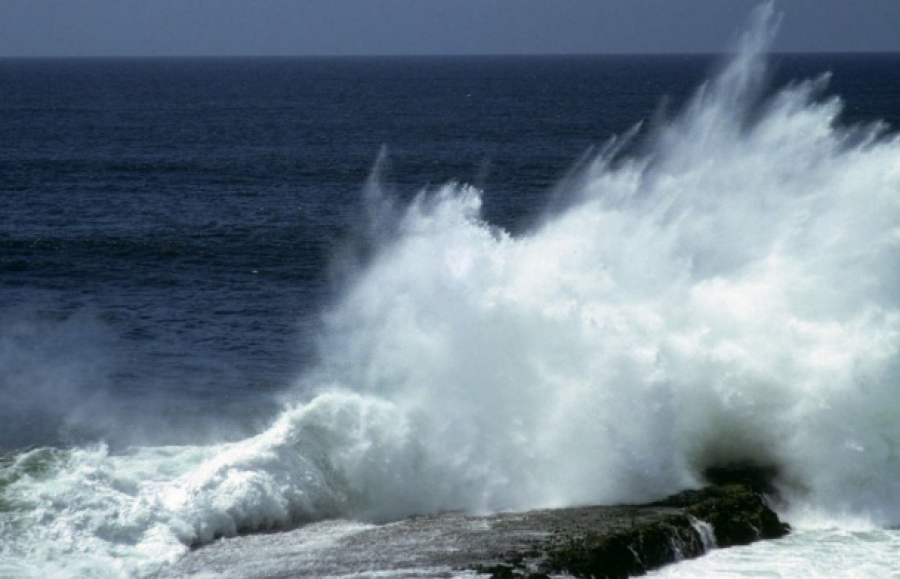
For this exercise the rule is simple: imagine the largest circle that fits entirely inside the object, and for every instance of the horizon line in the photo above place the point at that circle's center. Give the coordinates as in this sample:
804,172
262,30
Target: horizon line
435,55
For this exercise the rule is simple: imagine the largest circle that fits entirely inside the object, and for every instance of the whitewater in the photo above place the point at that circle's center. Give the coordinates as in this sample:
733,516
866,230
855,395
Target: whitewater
720,286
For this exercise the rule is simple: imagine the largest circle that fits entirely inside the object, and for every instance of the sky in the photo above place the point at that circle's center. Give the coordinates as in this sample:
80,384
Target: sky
69,28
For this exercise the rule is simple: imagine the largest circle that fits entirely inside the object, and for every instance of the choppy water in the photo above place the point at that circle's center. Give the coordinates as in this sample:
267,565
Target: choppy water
218,319
808,552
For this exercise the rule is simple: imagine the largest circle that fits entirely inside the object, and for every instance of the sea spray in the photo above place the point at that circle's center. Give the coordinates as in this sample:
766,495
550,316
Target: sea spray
727,293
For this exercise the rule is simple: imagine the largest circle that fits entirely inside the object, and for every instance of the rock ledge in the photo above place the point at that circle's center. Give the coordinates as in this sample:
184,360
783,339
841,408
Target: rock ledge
590,541
684,526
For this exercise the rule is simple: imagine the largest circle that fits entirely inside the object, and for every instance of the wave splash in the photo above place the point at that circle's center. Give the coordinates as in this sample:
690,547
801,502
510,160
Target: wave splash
730,293
727,294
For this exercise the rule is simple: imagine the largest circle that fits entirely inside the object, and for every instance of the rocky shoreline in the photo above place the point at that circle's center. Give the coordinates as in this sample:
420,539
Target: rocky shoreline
599,541
719,516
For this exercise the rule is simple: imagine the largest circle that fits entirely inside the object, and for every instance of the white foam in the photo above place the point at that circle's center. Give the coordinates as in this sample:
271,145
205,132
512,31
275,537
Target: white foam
818,554
731,294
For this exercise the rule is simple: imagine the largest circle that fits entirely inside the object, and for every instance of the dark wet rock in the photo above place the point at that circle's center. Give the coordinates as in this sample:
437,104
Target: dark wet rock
722,516
731,512
597,541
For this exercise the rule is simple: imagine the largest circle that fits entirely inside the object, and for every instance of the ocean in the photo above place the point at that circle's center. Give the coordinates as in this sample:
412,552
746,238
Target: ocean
246,296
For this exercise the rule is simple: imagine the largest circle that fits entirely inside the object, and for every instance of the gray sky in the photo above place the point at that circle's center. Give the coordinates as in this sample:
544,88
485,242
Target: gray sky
356,27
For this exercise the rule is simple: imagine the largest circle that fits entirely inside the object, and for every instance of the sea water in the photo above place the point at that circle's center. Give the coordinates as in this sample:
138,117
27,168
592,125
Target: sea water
565,281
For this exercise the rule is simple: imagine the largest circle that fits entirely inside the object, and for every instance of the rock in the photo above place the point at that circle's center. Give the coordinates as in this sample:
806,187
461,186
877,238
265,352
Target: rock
594,541
732,512
723,516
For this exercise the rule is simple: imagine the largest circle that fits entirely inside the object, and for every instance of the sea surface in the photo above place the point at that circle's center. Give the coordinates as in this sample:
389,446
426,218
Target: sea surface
245,295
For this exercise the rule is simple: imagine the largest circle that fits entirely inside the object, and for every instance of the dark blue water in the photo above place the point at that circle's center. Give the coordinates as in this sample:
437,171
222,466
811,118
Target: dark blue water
171,230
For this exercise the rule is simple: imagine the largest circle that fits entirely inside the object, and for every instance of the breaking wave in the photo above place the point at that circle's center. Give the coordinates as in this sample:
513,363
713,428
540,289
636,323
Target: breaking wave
731,292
